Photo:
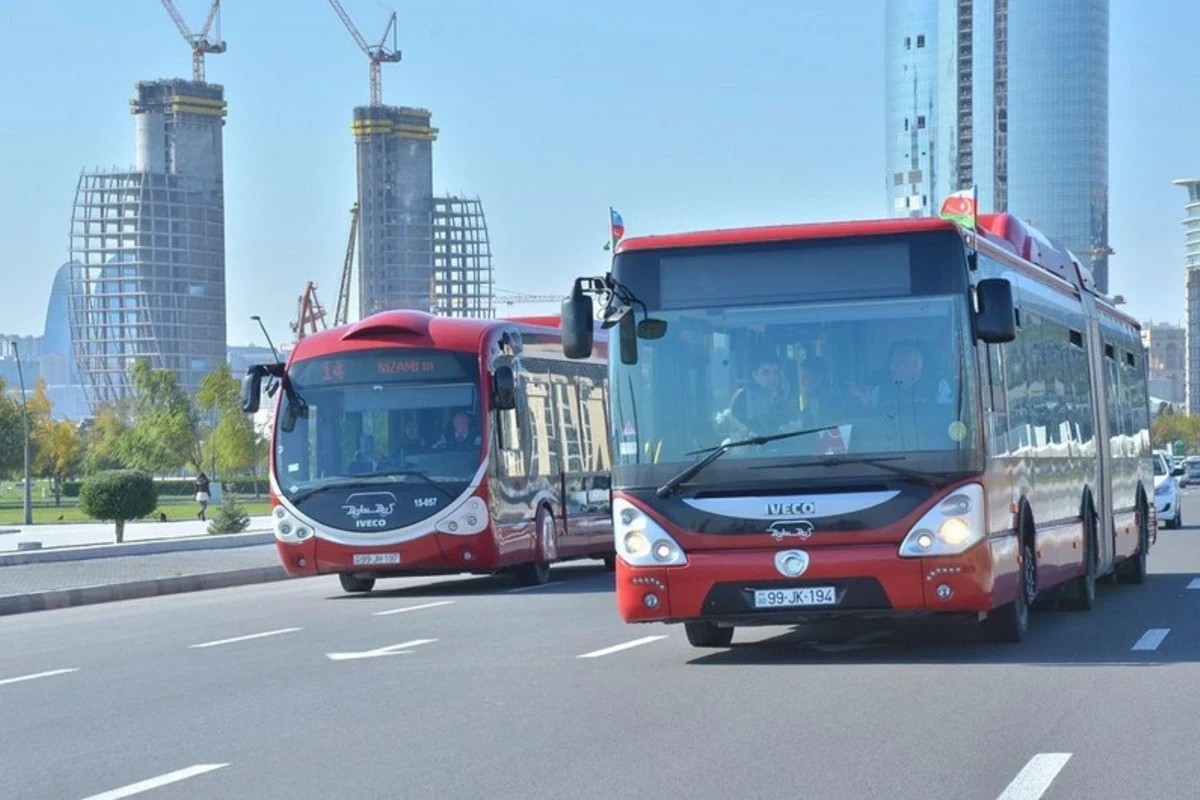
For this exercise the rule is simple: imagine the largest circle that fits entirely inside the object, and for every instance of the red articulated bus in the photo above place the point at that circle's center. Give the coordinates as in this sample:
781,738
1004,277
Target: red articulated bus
410,444
874,419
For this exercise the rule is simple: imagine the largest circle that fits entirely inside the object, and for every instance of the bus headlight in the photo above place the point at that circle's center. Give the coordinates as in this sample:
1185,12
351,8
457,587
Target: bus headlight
467,520
951,527
641,541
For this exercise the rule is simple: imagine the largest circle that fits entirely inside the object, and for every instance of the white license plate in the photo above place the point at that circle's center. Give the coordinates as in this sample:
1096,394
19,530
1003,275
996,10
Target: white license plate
376,558
783,598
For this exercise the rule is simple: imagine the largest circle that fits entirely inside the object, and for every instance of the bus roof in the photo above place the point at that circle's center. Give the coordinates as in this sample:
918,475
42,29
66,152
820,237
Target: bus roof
415,328
1004,231
785,233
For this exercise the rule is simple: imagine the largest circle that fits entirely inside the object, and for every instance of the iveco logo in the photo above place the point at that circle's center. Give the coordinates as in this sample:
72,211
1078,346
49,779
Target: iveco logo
800,528
791,563
807,509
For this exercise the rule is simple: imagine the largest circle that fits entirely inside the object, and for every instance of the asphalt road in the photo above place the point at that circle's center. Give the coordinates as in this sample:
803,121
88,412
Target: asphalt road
464,688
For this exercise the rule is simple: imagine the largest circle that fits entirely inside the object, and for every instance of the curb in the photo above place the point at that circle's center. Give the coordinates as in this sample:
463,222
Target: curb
65,598
83,553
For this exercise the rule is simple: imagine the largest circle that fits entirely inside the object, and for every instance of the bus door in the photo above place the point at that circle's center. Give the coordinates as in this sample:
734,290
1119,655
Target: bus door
1102,487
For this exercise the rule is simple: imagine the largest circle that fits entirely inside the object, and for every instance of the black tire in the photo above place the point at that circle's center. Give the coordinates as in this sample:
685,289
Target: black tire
537,573
706,634
1083,588
610,563
1010,623
1133,569
355,585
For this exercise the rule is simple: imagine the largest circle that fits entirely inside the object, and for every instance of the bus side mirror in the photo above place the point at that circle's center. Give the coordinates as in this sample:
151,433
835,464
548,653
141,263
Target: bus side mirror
995,319
578,324
651,328
252,388
504,389
628,336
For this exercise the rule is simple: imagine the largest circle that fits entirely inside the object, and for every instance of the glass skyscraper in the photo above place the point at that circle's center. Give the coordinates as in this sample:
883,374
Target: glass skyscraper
911,100
1021,112
1191,255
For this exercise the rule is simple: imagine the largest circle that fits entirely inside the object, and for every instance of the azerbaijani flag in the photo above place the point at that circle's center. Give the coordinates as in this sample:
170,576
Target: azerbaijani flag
961,208
618,225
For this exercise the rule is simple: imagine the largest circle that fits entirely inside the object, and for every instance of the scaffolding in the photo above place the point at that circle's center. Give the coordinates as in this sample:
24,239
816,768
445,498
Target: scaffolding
148,247
462,259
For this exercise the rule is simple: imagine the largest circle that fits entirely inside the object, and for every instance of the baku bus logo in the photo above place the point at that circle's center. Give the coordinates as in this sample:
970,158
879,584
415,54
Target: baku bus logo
799,528
370,509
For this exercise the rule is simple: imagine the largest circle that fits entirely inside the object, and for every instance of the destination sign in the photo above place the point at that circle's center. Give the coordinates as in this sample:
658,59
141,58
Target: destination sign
384,366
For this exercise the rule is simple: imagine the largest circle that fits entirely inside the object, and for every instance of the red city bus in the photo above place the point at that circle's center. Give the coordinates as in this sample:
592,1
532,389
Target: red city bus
409,444
875,419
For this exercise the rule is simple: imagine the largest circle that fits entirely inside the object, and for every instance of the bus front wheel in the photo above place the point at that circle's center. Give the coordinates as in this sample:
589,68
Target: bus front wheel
706,634
1010,623
537,572
353,584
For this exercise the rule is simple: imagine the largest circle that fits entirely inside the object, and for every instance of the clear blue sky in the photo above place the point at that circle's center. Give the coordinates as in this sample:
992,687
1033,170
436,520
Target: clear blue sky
682,114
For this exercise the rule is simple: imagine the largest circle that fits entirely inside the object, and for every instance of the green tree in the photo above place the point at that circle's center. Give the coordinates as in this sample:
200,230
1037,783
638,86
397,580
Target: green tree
58,452
118,496
12,432
166,436
231,516
102,437
231,443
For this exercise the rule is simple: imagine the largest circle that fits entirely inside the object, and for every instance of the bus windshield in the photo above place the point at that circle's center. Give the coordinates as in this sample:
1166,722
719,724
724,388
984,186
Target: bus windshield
884,375
395,415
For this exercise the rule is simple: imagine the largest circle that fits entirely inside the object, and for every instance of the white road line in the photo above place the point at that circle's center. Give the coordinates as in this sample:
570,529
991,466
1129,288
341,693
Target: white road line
1035,777
1195,584
616,648
262,635
412,608
390,650
37,675
155,783
546,585
1151,639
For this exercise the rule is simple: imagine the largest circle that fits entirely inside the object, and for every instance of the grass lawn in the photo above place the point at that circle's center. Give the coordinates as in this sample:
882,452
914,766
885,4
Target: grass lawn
175,509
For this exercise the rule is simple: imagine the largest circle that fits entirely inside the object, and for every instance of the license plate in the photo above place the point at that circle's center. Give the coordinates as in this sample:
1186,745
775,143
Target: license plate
783,598
376,558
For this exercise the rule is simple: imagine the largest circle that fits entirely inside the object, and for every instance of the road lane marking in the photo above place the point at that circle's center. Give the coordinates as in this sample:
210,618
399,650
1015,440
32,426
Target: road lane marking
391,650
37,675
412,608
616,648
545,585
1151,639
1035,777
1195,584
262,635
155,783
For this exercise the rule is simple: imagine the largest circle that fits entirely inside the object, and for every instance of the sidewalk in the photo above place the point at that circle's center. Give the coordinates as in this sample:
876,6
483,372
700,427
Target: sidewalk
41,586
81,534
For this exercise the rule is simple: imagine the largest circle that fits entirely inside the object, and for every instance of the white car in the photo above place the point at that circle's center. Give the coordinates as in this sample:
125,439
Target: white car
1166,492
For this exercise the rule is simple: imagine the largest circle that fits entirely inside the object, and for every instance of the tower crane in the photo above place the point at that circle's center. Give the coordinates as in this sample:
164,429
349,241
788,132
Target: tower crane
200,42
377,54
311,317
511,298
342,314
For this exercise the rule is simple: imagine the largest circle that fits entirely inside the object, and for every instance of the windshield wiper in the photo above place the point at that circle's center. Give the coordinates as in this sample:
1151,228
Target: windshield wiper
366,480
670,487
883,462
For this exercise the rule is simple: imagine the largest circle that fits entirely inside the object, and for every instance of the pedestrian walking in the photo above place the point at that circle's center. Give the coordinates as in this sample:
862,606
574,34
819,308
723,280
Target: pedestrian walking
202,496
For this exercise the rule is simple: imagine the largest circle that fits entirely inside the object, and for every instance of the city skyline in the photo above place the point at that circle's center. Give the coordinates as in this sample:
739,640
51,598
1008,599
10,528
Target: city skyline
283,232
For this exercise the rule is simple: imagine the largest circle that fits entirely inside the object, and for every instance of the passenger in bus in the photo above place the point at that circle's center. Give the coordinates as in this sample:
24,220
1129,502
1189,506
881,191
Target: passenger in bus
411,440
763,406
816,392
907,380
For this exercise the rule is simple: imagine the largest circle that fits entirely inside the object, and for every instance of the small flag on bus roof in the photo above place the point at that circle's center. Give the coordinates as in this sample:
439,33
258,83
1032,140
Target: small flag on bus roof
961,207
617,226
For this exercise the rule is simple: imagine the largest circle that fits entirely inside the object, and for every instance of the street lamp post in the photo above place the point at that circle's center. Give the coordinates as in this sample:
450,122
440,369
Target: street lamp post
24,413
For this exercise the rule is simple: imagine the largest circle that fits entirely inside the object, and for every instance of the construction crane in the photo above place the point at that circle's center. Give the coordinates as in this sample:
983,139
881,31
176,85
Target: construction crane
199,42
311,317
342,314
379,54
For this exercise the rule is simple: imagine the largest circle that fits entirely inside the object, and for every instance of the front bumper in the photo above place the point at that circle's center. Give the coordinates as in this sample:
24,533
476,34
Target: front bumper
868,580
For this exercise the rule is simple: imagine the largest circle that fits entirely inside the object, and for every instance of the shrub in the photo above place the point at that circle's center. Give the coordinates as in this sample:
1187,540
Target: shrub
118,496
231,517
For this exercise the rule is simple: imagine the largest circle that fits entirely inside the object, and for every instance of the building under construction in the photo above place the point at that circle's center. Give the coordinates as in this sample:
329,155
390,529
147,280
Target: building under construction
148,246
462,259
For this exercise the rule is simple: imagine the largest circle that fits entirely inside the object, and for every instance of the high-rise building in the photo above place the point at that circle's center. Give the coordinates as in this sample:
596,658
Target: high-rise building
1021,112
911,52
1166,346
148,246
395,201
462,259
1191,256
